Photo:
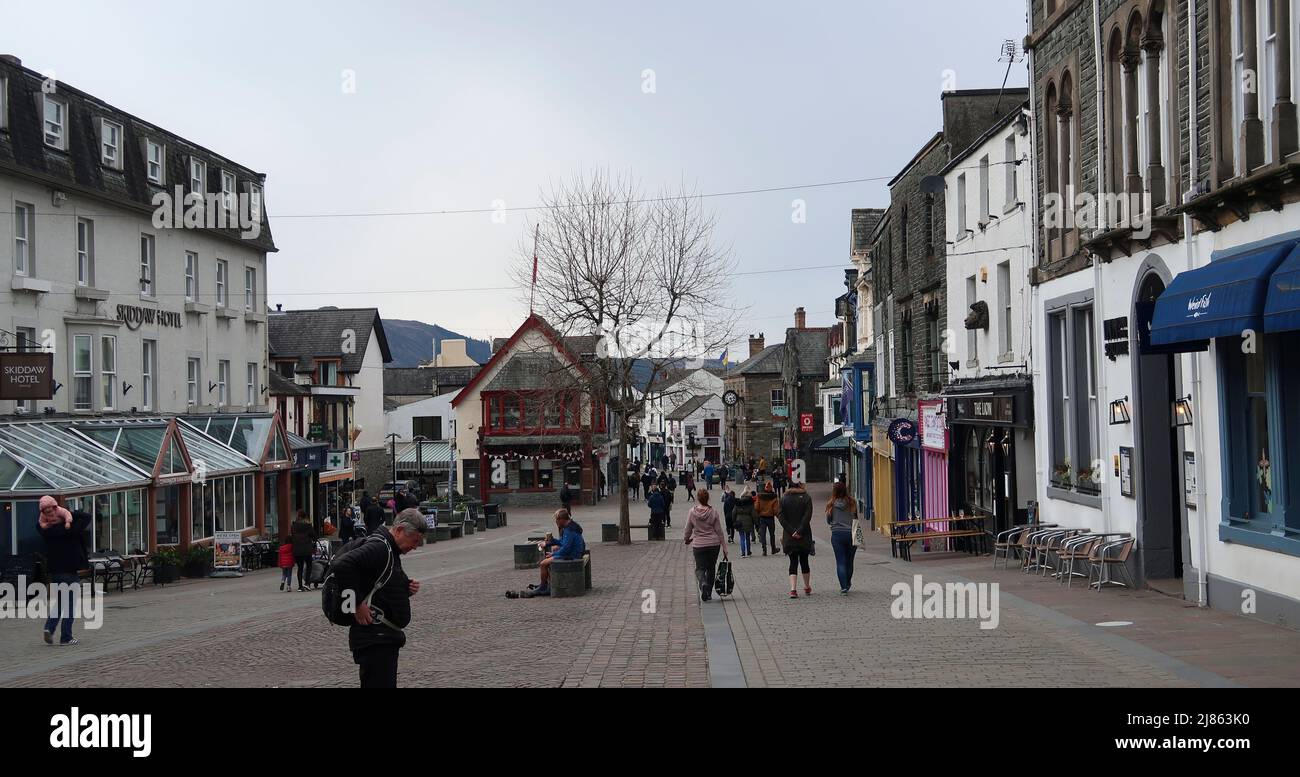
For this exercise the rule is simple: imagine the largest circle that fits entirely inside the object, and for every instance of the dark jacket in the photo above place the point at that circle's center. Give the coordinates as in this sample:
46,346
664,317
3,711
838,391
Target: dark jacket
572,545
359,570
744,515
657,504
728,503
304,539
373,516
796,516
566,496
65,549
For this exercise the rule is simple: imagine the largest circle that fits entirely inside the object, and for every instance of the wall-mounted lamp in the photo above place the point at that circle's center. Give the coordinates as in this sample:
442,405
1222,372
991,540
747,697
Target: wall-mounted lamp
1006,442
990,444
1119,412
1183,411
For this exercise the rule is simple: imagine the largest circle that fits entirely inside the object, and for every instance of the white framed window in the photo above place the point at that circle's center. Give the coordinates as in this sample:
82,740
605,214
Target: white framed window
1004,302
191,276
153,155
82,371
228,191
110,144
961,207
222,271
55,121
1009,153
253,393
198,176
984,190
193,374
223,382
149,368
329,373
972,343
255,202
85,252
250,289
24,229
146,264
108,371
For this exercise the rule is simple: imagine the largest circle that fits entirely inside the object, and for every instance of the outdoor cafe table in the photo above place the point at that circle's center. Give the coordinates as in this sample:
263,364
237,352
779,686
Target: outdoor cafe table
140,566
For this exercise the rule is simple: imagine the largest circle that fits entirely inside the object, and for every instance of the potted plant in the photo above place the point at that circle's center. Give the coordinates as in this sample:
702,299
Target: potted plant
1089,480
1061,475
198,561
167,564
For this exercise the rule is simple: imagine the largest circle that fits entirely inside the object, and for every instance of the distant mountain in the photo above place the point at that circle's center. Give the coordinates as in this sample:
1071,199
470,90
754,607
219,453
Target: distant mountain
411,342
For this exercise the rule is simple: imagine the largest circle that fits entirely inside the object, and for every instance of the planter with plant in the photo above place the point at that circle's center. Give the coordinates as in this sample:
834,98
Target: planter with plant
1061,477
167,565
198,561
1089,481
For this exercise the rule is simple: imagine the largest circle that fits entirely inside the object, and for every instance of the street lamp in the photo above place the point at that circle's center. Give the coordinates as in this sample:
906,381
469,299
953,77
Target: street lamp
393,438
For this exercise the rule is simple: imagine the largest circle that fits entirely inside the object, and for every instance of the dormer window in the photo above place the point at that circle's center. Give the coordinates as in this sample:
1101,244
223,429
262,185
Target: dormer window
198,176
228,191
327,373
153,153
110,144
55,119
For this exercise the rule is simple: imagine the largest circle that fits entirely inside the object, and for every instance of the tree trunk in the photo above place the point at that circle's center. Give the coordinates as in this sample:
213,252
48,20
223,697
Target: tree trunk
624,517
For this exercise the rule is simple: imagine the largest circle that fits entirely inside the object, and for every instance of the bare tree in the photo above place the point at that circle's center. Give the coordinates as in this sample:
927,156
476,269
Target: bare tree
640,273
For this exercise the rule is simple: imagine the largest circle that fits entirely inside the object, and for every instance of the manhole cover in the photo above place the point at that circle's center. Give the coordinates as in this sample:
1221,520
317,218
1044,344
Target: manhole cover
1110,624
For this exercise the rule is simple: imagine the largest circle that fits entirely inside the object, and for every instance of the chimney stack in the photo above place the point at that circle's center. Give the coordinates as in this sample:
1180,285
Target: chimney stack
800,318
755,344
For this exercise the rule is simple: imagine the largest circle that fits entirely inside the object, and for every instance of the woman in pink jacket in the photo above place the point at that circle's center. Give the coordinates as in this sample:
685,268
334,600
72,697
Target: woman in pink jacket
704,535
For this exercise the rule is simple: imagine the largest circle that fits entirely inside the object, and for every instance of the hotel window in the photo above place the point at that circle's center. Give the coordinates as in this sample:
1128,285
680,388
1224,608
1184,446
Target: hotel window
250,289
255,203
1262,471
108,371
221,282
228,191
153,153
1004,303
85,252
961,207
26,342
198,176
223,382
193,372
251,385
984,190
56,119
972,341
1009,154
149,368
191,276
24,230
146,265
82,371
110,144
1073,399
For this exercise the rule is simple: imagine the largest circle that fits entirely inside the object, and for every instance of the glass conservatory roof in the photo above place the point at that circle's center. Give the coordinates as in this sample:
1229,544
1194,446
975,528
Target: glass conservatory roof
43,457
245,433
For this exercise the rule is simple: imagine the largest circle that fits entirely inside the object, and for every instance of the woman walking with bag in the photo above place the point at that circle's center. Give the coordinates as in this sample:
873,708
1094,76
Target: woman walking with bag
704,535
745,522
796,535
840,514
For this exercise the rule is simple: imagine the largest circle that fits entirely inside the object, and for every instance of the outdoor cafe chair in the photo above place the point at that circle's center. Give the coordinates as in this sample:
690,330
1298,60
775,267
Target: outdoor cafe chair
1052,545
1107,555
1034,548
1007,543
1073,550
105,568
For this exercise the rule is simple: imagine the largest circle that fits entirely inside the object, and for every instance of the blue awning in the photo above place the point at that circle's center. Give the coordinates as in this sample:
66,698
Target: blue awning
1282,310
1222,299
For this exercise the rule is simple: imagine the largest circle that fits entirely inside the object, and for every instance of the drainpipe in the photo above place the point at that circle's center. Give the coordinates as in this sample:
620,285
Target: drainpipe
1098,315
1035,257
1202,578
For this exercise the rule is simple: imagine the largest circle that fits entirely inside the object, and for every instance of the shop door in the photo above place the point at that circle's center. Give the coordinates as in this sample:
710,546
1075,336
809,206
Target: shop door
1160,504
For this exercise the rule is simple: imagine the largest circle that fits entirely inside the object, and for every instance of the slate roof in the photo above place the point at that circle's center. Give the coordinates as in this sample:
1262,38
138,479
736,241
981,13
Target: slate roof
689,406
812,349
280,385
765,361
420,381
864,223
308,334
527,372
78,169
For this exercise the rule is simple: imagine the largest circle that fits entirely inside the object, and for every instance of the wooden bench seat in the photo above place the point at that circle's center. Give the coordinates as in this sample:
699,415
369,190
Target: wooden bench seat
902,541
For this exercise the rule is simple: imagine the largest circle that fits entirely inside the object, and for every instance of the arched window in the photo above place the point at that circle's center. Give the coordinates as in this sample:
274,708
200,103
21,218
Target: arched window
1114,108
1051,169
1066,145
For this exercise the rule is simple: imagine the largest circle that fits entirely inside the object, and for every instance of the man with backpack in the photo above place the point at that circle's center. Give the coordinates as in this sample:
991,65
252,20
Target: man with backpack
366,581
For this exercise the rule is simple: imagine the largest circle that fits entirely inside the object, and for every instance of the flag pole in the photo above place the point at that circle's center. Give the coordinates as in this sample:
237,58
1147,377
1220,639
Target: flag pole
533,293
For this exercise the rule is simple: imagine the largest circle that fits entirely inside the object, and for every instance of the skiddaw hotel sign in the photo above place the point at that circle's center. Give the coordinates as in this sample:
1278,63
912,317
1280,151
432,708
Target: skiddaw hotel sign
26,375
135,317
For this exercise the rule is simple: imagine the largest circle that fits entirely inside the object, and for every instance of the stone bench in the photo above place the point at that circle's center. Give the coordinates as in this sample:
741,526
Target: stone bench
571,578
527,556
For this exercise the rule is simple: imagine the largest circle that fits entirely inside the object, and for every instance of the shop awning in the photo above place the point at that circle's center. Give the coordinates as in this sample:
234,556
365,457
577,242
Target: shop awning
833,444
434,454
1222,299
1282,308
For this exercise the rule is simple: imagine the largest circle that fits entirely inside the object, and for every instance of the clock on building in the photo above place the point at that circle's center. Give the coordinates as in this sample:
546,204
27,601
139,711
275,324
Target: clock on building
730,398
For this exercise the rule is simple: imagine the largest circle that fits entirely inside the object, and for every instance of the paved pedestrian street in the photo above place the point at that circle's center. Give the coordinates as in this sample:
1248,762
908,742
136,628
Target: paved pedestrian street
465,632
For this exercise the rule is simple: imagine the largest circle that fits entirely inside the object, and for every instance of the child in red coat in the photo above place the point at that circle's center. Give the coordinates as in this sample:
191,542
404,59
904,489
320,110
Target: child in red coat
286,566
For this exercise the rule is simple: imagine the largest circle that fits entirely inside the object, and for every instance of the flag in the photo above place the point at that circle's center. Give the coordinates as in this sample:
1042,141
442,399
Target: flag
723,358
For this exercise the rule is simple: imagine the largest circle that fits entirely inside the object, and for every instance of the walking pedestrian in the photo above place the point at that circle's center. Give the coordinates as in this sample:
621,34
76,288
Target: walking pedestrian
658,509
840,514
744,518
346,525
286,565
633,483
669,492
796,536
373,514
600,483
647,480
766,506
708,475
566,497
376,565
704,535
304,544
728,512
65,557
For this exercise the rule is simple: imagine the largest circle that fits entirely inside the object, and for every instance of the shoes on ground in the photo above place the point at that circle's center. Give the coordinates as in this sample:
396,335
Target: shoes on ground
807,590
70,642
794,594
844,592
49,637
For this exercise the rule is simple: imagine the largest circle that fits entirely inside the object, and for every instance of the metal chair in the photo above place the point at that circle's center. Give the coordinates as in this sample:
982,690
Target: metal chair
105,568
1107,555
1073,550
1007,543
1033,548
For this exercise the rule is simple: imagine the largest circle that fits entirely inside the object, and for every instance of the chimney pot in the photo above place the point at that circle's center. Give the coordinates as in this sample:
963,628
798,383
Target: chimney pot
755,344
800,318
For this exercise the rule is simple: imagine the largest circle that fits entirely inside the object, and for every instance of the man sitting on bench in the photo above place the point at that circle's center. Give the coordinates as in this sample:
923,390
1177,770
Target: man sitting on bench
570,548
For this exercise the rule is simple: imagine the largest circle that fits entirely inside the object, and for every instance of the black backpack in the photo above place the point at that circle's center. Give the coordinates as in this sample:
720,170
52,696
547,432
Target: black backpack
339,609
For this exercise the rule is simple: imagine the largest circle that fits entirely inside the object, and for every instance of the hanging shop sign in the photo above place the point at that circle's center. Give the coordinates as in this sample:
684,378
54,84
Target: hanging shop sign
1116,333
26,375
135,317
984,409
902,431
806,422
934,432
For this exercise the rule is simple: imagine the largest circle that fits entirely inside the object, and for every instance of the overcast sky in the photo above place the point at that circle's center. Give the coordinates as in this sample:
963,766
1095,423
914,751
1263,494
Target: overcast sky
460,105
